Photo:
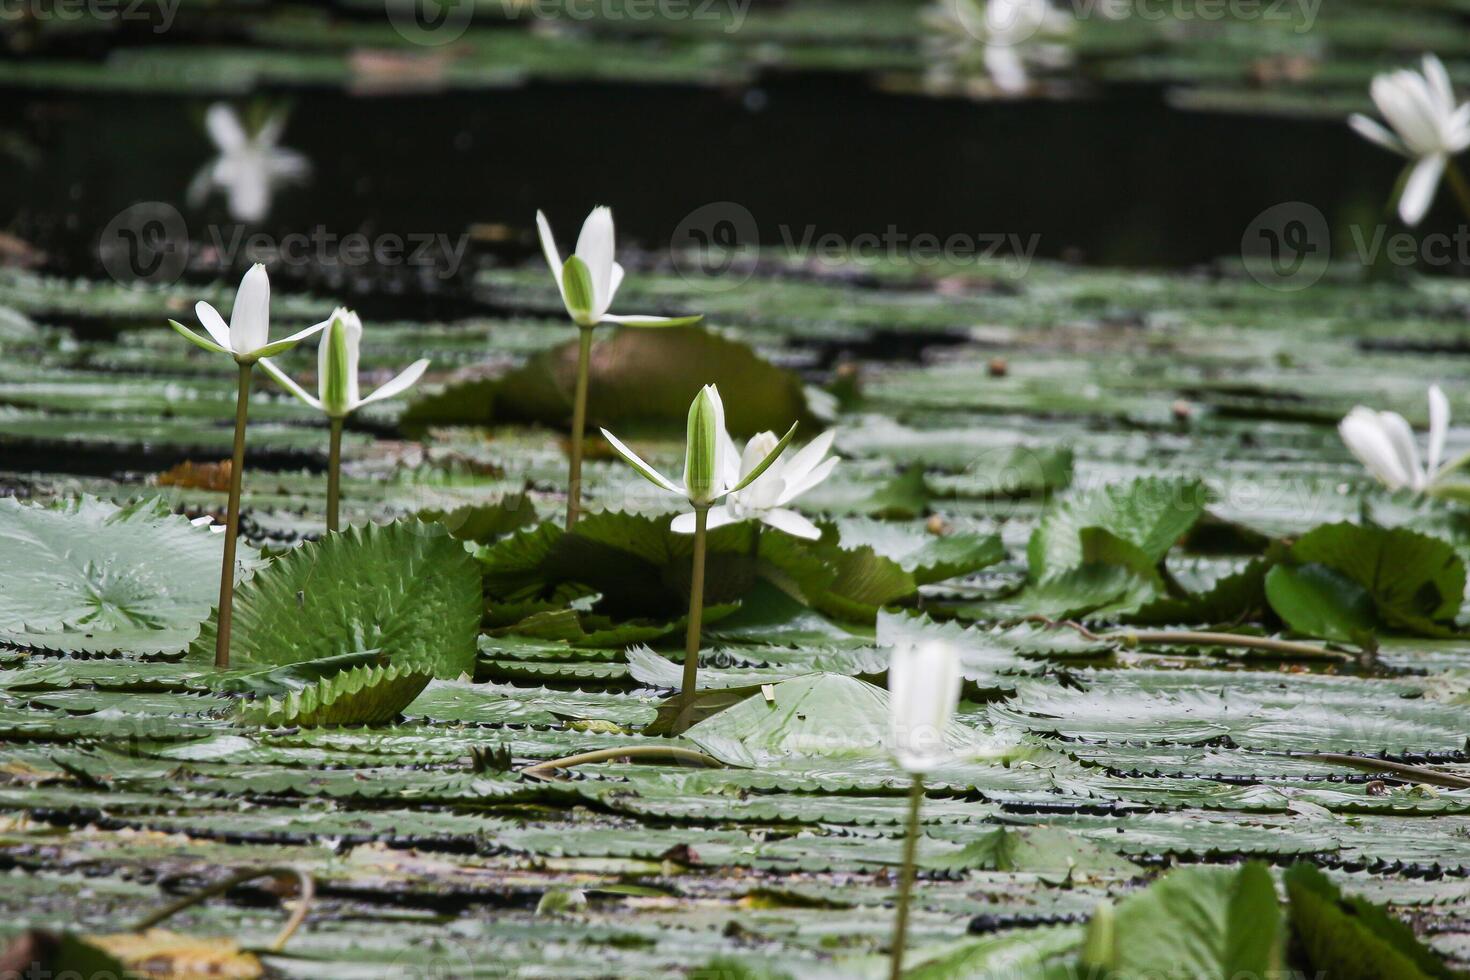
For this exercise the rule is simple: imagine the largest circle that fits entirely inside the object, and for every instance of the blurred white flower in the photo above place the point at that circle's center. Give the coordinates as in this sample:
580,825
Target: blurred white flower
1384,443
590,277
924,681
1002,38
1427,127
336,373
247,338
249,166
766,497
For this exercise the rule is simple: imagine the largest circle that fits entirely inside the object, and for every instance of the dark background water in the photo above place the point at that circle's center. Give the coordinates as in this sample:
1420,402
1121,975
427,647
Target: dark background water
1121,179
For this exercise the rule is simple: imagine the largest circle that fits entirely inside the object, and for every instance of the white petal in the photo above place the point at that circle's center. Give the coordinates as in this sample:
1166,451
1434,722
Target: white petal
805,460
213,323
614,281
400,384
1439,425
1420,187
548,247
636,461
248,191
795,489
730,460
224,128
595,247
1005,68
683,524
285,382
1374,131
250,317
646,320
1401,435
719,517
1363,434
792,523
1439,83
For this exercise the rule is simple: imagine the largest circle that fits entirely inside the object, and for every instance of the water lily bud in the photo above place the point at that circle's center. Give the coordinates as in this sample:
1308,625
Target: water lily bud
703,460
337,359
1099,948
924,689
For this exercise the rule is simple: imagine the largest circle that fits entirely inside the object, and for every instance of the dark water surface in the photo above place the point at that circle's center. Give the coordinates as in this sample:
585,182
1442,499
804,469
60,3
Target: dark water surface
1123,179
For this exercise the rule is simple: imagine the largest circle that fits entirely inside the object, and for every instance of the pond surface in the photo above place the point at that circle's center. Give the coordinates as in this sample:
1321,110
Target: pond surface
1121,179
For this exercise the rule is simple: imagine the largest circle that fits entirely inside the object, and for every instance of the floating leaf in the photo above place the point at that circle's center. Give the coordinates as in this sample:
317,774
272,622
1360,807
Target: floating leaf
407,589
1319,601
1416,582
87,575
356,696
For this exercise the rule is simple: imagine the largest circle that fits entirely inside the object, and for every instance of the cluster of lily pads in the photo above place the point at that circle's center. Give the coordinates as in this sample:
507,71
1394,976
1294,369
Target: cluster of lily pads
721,483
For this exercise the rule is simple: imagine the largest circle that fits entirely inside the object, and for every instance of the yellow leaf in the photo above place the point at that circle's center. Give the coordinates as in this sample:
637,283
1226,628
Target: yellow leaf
166,955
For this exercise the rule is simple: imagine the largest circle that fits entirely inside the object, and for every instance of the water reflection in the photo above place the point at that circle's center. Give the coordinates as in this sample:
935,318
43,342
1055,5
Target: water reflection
250,167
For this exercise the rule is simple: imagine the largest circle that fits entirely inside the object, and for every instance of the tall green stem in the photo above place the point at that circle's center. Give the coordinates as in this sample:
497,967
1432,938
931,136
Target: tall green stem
334,472
696,617
906,884
579,422
232,524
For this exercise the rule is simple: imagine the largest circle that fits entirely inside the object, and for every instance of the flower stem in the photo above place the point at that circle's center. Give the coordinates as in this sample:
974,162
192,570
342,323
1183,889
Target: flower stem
334,472
696,616
1458,186
232,524
627,752
906,882
306,888
579,422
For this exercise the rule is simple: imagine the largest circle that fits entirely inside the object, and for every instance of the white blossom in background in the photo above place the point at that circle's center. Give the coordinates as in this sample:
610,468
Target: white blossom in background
765,499
1004,39
1384,443
249,167
924,681
1424,125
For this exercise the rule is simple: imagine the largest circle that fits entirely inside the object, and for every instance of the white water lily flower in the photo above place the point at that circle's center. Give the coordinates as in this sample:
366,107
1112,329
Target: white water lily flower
247,338
711,468
336,373
765,499
1426,126
589,278
924,682
1384,443
249,166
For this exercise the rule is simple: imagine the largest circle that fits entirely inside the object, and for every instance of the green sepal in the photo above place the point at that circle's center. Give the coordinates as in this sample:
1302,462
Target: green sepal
750,477
576,285
702,444
197,340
